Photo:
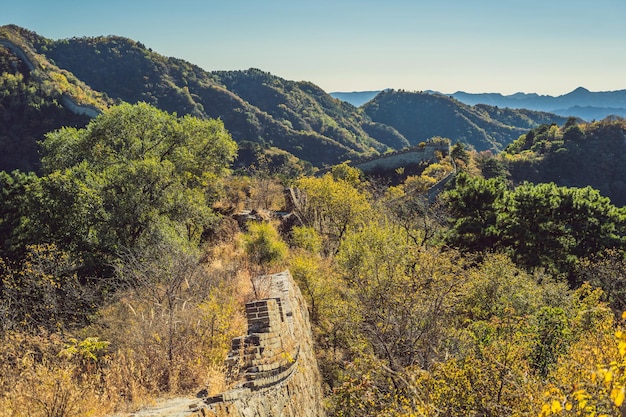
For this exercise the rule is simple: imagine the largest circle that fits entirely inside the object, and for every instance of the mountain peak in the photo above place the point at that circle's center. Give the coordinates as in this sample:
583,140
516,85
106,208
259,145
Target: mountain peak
579,91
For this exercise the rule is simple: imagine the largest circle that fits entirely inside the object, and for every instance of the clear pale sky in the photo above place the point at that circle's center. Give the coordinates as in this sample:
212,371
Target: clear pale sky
543,46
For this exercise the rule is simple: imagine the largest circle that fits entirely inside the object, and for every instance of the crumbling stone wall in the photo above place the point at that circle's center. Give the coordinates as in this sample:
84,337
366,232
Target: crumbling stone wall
272,369
402,158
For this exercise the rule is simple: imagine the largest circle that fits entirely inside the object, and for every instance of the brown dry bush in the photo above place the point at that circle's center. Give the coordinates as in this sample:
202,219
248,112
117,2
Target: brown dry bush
39,382
165,334
170,333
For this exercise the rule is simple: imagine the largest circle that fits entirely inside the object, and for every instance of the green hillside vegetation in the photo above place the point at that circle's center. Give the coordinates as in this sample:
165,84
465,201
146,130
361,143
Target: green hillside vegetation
261,111
123,275
55,80
121,282
305,107
28,110
255,106
30,101
420,116
574,155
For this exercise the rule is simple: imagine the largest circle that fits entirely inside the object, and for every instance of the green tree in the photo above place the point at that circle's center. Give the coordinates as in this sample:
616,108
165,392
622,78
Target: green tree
459,153
264,246
551,340
472,205
147,175
539,225
405,294
13,209
555,227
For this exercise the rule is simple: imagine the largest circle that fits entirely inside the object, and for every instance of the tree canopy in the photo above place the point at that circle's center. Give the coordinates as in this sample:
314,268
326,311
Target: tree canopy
134,176
540,225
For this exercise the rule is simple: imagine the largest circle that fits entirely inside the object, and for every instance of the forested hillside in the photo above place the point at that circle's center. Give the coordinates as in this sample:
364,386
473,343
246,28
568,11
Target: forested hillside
266,115
29,108
122,282
126,260
420,116
574,155
255,106
32,94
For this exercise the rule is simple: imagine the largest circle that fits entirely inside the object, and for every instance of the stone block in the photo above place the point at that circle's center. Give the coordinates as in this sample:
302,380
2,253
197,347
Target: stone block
234,394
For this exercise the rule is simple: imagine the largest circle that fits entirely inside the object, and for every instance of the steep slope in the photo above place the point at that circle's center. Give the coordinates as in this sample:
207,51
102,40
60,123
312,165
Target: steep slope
255,106
266,115
36,97
420,116
304,106
575,155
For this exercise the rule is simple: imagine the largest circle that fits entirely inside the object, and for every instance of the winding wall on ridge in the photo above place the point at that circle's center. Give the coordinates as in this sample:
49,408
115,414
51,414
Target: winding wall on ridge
412,155
272,369
66,101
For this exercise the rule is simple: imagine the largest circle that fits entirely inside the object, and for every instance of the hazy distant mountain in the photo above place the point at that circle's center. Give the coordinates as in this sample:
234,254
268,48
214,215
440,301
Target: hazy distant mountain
590,113
580,103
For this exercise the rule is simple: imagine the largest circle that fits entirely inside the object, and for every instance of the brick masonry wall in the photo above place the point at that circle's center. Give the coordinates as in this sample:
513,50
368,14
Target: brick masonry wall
402,158
272,369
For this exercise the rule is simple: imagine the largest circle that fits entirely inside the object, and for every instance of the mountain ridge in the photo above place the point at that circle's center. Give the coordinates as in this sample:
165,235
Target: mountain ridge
267,115
580,102
419,116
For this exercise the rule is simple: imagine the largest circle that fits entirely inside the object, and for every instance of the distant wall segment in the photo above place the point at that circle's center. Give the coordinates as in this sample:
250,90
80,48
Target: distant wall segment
66,101
21,54
413,155
80,109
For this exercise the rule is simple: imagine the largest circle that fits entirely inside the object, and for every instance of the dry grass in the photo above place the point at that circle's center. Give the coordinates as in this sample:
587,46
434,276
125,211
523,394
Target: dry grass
37,381
155,349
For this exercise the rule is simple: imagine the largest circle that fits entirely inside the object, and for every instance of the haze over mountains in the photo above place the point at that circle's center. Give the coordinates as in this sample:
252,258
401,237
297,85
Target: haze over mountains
580,103
286,122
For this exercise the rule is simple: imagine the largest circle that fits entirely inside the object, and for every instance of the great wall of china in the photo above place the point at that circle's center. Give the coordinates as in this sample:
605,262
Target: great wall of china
390,161
65,100
415,154
272,370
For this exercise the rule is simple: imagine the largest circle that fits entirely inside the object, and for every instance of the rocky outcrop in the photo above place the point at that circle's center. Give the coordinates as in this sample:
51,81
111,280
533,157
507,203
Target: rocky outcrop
272,369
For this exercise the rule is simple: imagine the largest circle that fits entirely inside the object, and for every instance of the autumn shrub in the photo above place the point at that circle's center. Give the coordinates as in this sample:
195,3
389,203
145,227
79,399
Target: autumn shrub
307,238
171,330
39,378
266,194
44,291
264,246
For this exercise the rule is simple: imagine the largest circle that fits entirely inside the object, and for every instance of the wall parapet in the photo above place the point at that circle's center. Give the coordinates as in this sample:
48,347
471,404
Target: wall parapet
272,370
404,157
